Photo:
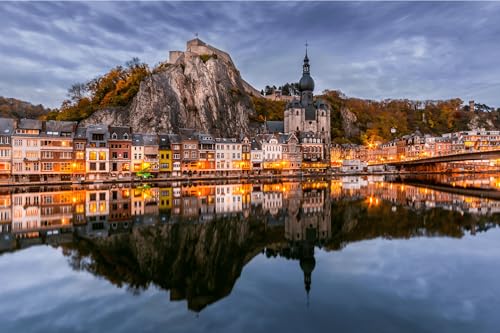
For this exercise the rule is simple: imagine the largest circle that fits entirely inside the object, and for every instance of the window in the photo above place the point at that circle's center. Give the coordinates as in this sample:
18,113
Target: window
102,196
193,154
93,156
125,154
114,136
46,166
92,166
102,166
93,197
114,155
125,136
79,155
97,137
102,155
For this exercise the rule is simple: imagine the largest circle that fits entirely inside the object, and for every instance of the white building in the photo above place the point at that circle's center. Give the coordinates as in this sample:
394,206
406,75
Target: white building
227,156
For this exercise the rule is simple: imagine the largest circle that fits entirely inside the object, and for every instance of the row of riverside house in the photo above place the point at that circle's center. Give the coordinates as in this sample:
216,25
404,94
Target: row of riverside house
418,145
36,150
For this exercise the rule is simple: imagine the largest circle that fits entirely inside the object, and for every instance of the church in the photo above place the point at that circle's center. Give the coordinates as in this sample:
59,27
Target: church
307,118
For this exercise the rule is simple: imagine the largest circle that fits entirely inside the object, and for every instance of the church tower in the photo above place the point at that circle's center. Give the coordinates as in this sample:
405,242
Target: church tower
305,115
306,84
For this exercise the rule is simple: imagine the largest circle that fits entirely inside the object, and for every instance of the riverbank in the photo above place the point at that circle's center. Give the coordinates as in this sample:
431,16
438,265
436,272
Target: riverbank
240,178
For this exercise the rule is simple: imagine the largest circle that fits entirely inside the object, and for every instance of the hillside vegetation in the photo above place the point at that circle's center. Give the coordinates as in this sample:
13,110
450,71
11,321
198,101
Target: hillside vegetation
356,120
14,108
116,88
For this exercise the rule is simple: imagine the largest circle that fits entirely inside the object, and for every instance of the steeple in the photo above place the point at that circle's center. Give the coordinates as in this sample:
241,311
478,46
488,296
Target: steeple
306,87
305,67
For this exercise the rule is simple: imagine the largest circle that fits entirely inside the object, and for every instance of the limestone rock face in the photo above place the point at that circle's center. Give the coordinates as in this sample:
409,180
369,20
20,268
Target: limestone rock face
109,116
349,123
199,88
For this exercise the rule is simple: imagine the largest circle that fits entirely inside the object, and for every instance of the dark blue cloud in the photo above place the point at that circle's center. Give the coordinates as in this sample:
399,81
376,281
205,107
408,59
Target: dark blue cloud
370,50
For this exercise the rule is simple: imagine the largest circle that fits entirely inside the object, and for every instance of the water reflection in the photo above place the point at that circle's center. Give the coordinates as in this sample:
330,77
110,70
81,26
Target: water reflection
194,239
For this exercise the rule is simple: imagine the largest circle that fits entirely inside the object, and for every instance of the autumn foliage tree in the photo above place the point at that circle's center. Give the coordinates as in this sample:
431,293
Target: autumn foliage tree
116,88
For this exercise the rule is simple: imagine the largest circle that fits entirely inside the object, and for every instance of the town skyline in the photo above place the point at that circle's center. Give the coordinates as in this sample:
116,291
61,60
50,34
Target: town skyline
402,50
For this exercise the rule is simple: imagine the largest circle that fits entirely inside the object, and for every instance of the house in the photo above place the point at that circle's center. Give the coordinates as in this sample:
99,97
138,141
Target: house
165,152
56,150
7,126
26,150
151,153
120,146
79,156
256,155
97,152
227,156
353,166
206,154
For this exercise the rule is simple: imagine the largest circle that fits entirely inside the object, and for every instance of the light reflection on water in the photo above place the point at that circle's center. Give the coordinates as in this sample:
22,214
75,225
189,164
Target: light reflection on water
352,255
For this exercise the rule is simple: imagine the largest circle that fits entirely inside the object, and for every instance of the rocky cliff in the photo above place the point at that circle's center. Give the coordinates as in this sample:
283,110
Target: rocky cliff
199,88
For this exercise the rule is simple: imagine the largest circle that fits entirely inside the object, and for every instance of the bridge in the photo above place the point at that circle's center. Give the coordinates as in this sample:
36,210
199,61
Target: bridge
469,156
433,163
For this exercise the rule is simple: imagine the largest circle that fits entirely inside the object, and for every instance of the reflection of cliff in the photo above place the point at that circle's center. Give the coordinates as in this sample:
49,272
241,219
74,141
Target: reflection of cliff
196,262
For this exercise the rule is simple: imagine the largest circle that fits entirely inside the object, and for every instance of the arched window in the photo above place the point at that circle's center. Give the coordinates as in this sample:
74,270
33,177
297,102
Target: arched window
322,129
297,113
114,136
323,113
297,128
125,136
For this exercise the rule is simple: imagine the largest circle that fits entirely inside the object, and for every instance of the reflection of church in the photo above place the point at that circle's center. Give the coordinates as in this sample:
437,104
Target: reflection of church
307,224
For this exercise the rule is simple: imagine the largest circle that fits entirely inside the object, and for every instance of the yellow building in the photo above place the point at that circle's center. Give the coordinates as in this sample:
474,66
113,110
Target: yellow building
165,153
165,197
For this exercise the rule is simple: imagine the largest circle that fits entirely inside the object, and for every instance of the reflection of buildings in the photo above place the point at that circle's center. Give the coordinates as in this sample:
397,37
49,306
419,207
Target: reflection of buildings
302,209
222,227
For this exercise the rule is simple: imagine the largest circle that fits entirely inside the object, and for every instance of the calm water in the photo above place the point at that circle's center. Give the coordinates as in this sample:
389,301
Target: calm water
351,255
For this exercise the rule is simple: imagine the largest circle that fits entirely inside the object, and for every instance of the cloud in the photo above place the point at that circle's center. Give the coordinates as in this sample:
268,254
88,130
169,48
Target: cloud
369,50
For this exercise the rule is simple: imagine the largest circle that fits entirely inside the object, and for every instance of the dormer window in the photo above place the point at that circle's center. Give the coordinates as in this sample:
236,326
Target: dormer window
125,136
114,136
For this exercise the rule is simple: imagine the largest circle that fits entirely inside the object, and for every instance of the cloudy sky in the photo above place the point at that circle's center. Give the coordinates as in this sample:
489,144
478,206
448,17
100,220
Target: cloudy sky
369,50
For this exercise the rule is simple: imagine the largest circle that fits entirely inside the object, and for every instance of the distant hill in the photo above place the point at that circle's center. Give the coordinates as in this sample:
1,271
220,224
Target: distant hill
14,108
356,120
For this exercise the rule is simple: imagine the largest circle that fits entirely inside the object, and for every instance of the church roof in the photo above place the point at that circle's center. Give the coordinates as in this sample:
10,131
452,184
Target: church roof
275,126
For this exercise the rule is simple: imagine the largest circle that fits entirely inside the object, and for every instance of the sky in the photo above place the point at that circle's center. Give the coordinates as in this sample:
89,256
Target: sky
373,50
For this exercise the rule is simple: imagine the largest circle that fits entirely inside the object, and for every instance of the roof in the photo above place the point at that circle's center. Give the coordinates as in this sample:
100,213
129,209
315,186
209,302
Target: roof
137,140
174,138
164,140
120,132
205,138
150,139
294,103
58,127
7,126
30,124
275,126
81,133
227,140
256,145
